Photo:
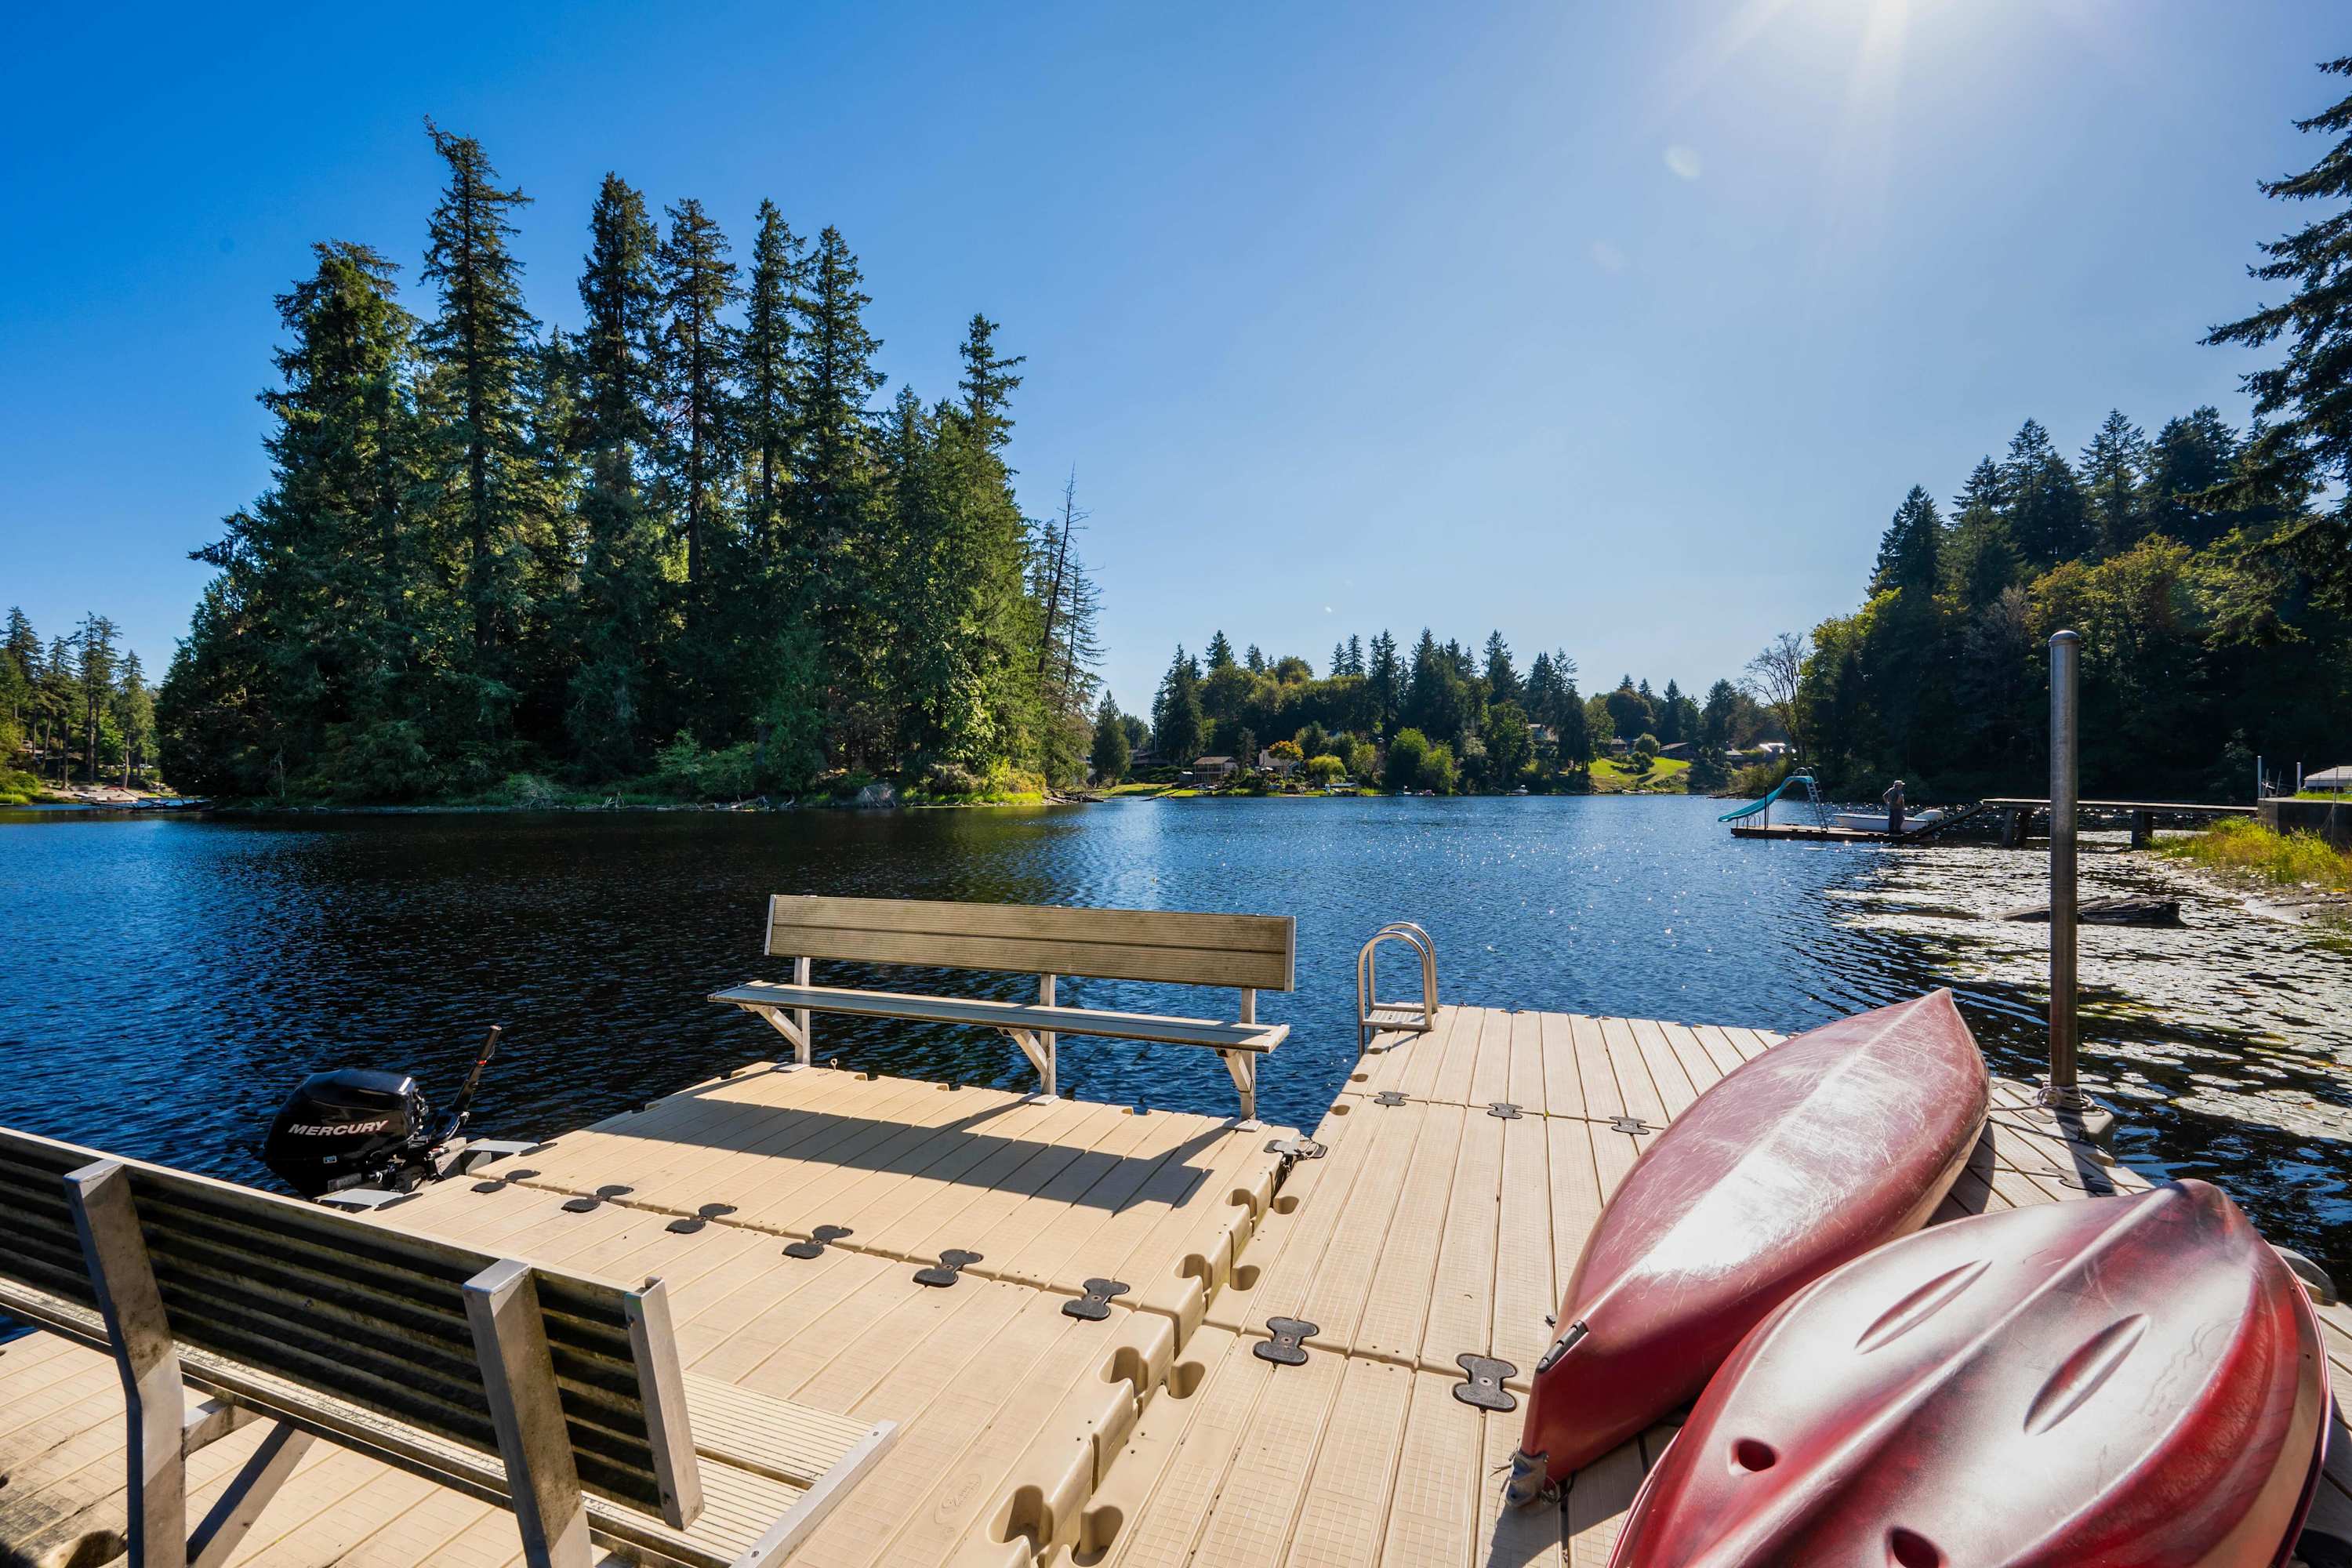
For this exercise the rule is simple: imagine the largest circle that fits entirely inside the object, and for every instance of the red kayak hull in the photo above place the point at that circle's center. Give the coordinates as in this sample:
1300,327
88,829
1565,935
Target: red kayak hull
1810,1155
2129,1380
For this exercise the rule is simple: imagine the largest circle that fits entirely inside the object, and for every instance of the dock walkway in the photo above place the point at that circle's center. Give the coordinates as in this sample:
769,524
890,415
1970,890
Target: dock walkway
1460,1173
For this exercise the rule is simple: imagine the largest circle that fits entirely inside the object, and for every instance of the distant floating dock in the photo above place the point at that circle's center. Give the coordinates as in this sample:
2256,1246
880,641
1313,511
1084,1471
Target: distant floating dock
2016,816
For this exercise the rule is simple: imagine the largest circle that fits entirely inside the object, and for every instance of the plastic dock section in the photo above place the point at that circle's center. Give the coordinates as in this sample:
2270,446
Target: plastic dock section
1110,1338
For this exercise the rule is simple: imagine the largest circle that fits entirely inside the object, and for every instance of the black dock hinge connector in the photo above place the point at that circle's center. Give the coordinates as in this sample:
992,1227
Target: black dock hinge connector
951,1263
1483,1385
1096,1305
605,1195
1285,1348
702,1217
500,1184
1296,1149
1505,1110
1633,1124
1387,1096
814,1246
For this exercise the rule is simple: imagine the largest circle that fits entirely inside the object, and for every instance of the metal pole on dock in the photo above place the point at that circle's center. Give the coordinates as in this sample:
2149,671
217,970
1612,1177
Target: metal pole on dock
2066,689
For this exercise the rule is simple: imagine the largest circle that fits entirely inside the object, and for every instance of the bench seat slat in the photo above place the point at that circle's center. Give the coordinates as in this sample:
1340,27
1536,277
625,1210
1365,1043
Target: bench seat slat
1214,1033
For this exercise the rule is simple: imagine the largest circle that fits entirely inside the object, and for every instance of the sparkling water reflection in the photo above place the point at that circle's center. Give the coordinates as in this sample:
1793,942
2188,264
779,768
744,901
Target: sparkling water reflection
166,981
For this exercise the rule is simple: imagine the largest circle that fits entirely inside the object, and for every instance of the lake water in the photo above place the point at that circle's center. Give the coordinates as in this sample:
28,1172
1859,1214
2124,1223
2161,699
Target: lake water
165,981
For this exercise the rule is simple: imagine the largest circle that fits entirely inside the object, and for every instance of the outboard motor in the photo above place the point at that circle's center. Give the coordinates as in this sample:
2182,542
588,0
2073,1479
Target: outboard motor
361,1129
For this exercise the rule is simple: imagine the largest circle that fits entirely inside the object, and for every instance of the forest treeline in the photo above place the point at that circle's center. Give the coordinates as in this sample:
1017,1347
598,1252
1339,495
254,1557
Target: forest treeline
1438,716
2208,568
77,706
680,539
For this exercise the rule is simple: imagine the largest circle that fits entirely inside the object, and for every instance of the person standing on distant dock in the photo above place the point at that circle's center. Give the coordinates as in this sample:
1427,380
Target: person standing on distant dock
1893,799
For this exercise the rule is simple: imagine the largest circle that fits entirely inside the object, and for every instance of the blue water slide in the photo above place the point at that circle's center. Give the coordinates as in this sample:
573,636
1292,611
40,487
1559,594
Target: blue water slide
1753,807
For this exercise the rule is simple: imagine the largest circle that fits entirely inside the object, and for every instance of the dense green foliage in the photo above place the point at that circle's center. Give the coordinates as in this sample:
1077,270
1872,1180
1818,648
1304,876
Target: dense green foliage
77,708
2209,570
679,545
1439,718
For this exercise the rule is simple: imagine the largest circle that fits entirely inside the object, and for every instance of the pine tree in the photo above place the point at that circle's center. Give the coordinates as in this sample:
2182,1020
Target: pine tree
1502,680
1110,754
1220,652
832,508
480,348
696,363
1355,653
134,716
1252,661
96,659
2045,515
620,618
1340,657
1978,561
2192,459
1385,684
2115,466
1176,719
1910,553
2304,406
769,373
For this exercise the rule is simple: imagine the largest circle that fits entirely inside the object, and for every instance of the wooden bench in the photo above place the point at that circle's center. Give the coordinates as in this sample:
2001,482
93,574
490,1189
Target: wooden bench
1249,953
554,1395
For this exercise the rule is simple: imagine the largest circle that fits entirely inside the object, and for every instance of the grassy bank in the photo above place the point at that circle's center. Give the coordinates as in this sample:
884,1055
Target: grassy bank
1668,775
2241,847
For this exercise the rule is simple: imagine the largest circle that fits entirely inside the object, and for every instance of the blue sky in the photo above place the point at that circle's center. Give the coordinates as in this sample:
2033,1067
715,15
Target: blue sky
1620,328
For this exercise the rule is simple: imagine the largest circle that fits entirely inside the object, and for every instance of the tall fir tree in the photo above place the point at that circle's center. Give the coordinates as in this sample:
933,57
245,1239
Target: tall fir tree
2303,406
621,616
2043,500
770,373
2115,469
479,350
1910,554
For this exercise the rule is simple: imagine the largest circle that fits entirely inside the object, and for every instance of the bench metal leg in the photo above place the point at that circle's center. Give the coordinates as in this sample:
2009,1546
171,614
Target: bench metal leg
527,1411
1039,1049
264,1472
1242,1066
155,1403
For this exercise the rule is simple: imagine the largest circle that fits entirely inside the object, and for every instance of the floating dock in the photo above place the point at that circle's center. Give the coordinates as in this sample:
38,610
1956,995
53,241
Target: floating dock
1437,1213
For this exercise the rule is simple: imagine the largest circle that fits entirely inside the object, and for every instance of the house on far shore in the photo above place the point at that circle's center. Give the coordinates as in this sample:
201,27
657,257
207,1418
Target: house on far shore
1214,770
2336,781
1267,762
1680,749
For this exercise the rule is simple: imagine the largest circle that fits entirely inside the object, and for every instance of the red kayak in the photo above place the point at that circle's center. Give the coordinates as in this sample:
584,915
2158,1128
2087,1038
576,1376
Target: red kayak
1808,1156
2131,1381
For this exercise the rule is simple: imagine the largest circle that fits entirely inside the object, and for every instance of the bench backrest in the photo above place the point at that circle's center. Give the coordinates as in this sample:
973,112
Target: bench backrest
370,1316
1249,952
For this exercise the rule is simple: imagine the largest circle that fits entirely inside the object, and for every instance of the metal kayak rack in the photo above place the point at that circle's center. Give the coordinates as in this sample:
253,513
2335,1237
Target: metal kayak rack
1375,1016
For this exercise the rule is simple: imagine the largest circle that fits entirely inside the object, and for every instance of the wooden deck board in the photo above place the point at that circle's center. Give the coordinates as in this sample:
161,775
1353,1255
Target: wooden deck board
1427,1229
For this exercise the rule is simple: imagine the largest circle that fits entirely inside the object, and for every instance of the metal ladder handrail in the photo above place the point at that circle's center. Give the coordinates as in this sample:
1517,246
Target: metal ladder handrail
1368,1003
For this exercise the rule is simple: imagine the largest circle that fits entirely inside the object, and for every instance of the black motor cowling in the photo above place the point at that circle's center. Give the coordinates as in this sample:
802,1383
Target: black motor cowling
349,1128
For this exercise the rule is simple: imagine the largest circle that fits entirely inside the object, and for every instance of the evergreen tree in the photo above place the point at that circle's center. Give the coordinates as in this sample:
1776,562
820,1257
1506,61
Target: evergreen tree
479,350
1340,657
1255,660
621,614
1385,684
2304,404
327,619
1355,655
833,481
134,716
1910,554
1502,680
2193,458
1575,733
1220,652
695,364
1176,719
1978,561
2045,514
96,658
2115,466
1110,754
770,373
